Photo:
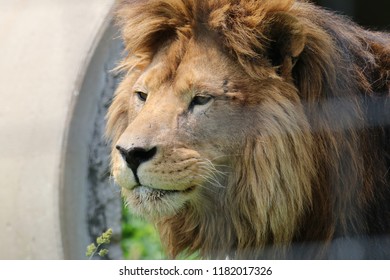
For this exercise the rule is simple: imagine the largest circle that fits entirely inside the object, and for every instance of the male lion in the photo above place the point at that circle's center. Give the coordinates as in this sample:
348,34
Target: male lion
254,129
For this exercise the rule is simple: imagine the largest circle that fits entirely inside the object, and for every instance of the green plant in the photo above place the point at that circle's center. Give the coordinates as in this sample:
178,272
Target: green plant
140,240
101,240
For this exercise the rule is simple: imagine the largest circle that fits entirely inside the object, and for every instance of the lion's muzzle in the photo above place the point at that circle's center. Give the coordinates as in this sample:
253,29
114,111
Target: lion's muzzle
135,156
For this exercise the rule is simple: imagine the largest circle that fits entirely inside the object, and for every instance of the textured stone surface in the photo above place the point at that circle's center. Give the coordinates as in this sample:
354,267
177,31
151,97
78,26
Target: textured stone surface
104,200
90,202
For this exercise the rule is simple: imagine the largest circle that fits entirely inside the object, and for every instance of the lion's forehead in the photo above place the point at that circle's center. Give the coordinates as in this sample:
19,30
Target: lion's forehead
199,69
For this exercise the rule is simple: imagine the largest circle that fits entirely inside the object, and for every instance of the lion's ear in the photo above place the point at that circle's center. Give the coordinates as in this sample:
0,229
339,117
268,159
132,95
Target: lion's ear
287,40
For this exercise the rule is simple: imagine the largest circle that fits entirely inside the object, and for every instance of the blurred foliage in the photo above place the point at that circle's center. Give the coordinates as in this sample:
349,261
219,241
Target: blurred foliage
140,240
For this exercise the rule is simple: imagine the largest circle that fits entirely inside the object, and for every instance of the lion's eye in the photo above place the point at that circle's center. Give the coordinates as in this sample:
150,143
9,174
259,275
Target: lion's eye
141,95
200,100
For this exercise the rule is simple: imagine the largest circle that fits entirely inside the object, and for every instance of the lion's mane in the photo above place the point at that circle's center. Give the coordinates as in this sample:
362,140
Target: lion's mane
325,181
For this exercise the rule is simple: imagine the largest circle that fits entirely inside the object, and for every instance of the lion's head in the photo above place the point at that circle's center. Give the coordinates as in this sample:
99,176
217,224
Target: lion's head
212,134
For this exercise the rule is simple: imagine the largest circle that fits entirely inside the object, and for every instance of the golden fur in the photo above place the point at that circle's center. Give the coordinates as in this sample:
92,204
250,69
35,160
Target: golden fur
270,124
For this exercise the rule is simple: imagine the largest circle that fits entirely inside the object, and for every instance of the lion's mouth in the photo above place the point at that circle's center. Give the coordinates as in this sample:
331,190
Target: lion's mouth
155,194
156,203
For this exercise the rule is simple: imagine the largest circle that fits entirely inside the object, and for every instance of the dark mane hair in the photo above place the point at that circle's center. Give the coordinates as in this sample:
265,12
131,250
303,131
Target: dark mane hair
342,75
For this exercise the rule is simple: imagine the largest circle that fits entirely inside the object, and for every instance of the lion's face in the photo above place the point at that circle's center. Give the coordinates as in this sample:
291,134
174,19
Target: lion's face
209,133
186,120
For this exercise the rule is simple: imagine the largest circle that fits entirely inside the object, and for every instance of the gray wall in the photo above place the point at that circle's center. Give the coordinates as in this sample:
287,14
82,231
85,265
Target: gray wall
91,203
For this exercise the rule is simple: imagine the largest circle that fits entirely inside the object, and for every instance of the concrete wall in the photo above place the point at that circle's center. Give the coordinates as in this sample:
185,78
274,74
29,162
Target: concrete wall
47,112
91,202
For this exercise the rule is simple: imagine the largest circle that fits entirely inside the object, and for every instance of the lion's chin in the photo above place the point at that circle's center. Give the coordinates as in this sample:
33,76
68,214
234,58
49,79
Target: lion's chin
156,203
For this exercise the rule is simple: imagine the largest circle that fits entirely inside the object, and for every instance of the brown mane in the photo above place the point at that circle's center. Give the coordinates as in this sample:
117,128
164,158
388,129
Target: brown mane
339,187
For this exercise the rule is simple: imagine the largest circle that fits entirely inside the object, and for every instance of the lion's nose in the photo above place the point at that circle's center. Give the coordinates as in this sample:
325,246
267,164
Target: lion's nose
135,156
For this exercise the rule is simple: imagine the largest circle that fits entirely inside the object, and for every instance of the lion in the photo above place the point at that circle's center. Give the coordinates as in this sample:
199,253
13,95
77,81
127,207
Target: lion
254,129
